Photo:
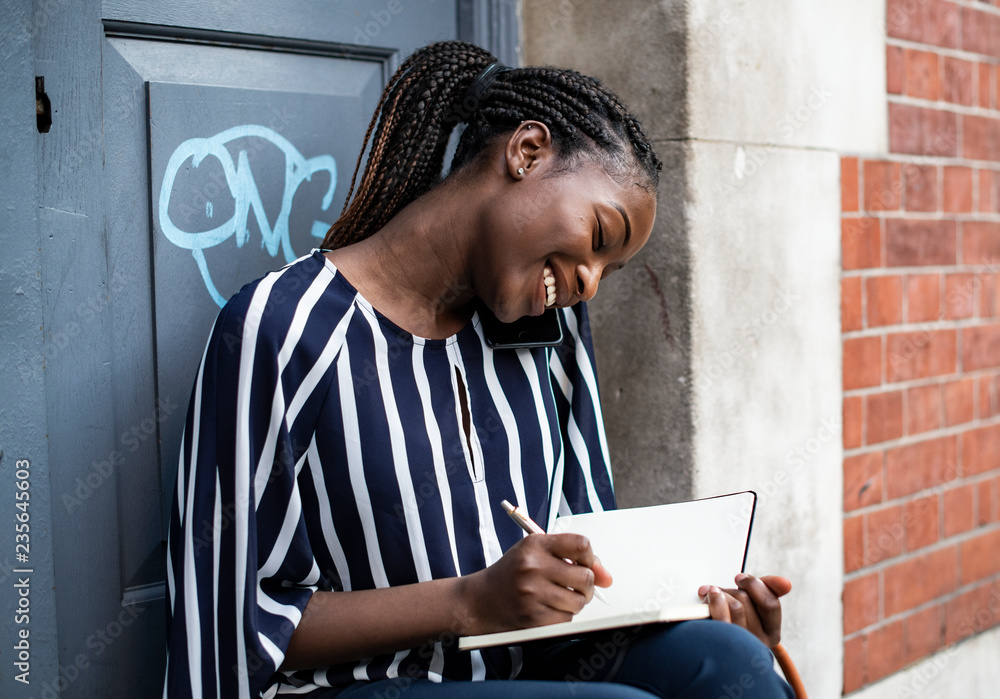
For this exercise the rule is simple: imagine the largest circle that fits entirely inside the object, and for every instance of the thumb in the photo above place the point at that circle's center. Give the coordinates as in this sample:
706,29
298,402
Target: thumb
602,576
779,585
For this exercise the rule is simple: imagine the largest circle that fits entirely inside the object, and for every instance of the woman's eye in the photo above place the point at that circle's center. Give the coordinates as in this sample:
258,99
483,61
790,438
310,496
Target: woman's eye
600,237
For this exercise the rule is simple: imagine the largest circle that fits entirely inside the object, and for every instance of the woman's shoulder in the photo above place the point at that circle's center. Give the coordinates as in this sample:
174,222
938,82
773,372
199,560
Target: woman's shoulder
290,299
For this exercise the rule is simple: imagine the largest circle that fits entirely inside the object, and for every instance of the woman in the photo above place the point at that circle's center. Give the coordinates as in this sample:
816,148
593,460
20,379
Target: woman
351,432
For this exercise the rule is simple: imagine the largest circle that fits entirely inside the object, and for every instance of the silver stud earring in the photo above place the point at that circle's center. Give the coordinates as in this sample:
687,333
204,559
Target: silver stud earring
529,126
520,171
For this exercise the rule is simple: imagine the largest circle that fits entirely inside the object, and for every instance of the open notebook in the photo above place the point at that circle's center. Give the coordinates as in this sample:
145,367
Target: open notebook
659,556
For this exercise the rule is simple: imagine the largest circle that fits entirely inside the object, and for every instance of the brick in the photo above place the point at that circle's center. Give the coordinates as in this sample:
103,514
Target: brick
862,480
919,355
884,417
860,603
923,408
986,398
920,187
957,189
989,294
850,304
980,137
853,426
849,184
922,79
957,84
886,654
919,579
922,131
958,510
920,466
882,185
922,633
923,297
980,31
941,23
885,300
958,401
860,242
984,503
920,517
981,347
960,295
924,21
854,664
985,191
981,450
984,85
895,70
994,185
972,612
981,242
862,362
854,543
979,556
915,242
886,534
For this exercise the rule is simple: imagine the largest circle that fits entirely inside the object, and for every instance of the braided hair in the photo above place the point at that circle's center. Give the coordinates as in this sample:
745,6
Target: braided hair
426,98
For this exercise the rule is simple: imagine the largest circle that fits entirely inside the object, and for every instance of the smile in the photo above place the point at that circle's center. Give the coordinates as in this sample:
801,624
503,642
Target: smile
550,287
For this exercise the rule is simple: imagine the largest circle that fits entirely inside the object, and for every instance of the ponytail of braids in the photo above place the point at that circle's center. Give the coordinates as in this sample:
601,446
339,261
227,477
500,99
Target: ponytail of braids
424,100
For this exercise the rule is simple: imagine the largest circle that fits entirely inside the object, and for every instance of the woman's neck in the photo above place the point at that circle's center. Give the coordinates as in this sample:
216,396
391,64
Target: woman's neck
414,270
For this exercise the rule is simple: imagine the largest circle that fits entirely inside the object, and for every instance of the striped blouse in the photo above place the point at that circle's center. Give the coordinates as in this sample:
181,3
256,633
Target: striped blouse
324,449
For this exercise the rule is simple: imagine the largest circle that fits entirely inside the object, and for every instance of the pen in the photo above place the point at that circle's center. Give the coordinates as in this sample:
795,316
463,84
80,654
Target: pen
529,525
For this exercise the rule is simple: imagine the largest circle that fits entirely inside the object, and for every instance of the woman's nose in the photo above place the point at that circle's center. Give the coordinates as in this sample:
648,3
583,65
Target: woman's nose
587,279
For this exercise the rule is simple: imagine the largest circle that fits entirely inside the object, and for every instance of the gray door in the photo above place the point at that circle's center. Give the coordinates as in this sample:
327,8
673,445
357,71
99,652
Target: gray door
193,147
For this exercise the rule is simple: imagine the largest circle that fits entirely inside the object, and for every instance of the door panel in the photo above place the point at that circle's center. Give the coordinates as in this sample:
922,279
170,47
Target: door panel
227,154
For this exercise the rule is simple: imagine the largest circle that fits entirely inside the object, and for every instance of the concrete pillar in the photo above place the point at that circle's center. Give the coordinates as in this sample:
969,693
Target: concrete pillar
719,345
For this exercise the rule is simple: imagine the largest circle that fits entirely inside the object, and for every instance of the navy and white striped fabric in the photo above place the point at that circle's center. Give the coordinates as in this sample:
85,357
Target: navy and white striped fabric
324,449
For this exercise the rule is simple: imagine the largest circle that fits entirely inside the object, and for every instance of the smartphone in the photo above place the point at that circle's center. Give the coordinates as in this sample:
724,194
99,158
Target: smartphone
530,331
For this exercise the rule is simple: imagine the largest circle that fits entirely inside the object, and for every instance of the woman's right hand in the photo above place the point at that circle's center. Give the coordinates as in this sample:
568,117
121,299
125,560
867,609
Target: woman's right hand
533,584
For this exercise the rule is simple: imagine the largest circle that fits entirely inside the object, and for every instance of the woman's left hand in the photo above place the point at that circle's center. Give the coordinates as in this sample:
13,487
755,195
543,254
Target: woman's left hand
753,604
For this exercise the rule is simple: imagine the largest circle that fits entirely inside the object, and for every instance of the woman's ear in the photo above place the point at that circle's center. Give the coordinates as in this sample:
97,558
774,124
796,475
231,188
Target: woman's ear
527,148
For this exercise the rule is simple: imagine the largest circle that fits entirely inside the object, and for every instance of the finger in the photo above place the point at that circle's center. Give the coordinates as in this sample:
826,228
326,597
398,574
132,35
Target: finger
764,600
575,577
738,612
747,616
718,605
565,600
779,585
575,547
602,576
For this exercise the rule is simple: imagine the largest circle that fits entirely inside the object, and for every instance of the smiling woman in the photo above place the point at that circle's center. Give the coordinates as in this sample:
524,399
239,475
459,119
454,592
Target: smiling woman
352,434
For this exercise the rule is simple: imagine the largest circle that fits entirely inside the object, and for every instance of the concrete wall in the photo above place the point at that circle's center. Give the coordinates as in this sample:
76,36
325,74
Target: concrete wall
729,375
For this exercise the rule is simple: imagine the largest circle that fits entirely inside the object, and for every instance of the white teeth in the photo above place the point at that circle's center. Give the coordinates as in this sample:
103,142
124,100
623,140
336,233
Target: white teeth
550,287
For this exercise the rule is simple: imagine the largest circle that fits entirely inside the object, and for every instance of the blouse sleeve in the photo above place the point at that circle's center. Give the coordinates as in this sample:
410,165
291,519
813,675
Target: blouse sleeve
587,483
240,568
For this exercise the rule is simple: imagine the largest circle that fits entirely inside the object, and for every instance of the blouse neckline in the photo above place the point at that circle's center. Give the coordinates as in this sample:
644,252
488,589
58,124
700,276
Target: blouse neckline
366,306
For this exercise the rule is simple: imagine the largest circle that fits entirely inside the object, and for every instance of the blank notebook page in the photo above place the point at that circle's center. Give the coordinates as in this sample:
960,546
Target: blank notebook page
659,556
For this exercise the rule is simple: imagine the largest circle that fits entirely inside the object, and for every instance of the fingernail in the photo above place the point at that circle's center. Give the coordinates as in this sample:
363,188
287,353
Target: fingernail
714,590
741,577
703,590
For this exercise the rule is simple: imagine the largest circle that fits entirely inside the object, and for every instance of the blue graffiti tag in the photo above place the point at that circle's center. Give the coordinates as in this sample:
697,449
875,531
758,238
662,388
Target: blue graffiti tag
244,192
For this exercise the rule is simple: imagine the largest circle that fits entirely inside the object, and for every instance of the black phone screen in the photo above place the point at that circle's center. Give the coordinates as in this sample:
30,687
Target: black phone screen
530,331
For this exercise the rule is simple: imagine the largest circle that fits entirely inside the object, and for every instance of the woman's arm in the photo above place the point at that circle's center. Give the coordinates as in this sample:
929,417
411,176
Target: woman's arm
530,586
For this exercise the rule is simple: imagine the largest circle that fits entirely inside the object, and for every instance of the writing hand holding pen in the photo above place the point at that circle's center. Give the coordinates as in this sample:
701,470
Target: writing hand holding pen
529,525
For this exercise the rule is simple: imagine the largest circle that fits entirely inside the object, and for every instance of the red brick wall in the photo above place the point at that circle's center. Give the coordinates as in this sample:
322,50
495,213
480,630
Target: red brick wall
920,303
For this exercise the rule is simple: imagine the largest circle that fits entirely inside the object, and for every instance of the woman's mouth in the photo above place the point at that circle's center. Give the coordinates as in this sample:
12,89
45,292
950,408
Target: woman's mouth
550,286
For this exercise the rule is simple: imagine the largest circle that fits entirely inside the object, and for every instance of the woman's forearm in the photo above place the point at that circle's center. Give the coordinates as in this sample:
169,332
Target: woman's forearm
344,626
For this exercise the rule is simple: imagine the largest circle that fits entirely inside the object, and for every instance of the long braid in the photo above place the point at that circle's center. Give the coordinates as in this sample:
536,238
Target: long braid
421,105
